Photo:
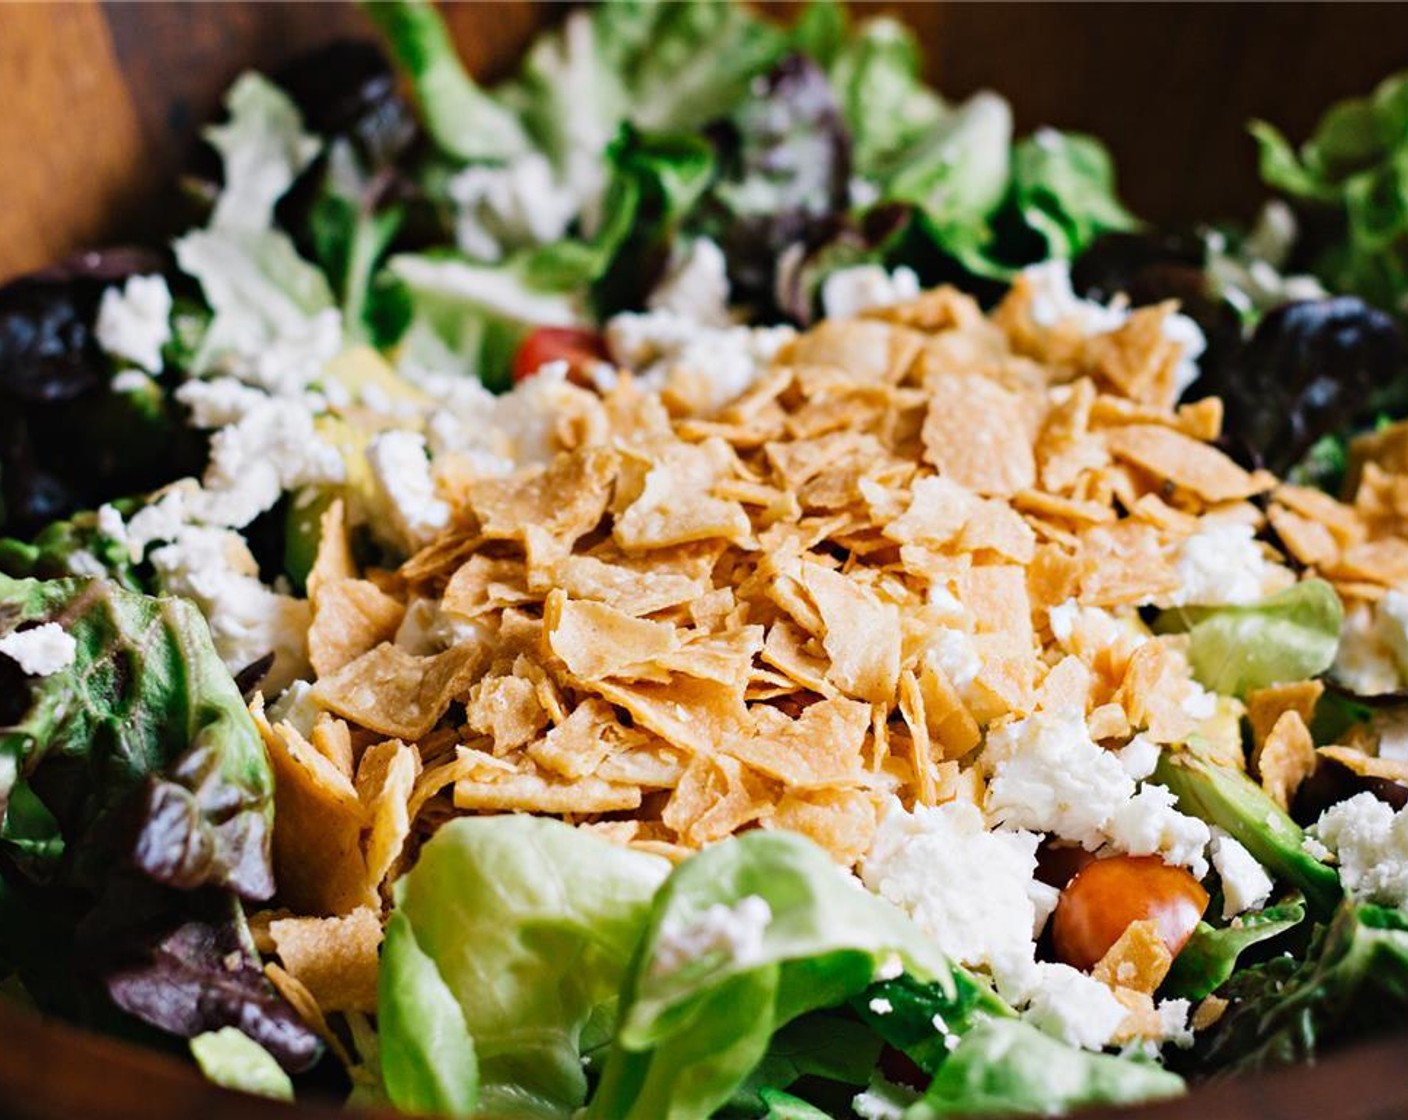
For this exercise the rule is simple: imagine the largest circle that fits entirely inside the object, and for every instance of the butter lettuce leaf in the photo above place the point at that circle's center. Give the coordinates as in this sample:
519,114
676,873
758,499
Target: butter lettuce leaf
1005,1067
1289,636
1208,959
232,1059
530,925
743,938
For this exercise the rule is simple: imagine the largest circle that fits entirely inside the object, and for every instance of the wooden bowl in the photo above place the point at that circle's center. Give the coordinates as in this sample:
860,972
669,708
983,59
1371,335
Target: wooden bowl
101,103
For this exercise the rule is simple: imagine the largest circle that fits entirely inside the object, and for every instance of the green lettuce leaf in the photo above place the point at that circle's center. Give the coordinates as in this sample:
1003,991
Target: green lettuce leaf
1288,637
1204,964
145,715
1005,1067
1229,799
530,925
1353,983
232,1059
1063,187
427,1056
1355,164
742,939
464,120
917,1008
72,547
821,1045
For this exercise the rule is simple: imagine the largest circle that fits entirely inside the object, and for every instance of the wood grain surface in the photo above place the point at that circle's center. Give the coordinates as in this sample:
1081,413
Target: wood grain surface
99,103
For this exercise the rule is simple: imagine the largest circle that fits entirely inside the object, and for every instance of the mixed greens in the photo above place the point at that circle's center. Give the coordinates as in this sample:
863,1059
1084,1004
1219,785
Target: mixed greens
353,255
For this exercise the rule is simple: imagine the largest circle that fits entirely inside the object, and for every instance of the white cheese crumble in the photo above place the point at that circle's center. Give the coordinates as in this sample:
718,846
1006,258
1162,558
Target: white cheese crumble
134,322
695,286
40,651
1048,775
1370,842
1245,883
426,629
1148,824
953,652
1220,565
736,931
215,569
1365,660
705,367
847,292
881,1006
401,474
1391,729
513,206
1173,1022
971,890
1054,301
1071,1006
297,707
1139,757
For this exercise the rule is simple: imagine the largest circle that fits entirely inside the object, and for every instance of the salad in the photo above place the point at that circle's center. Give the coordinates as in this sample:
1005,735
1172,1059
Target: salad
708,580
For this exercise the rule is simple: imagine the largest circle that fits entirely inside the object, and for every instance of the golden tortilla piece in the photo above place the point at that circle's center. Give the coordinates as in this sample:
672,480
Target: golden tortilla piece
530,790
577,746
698,716
595,640
335,959
351,617
333,562
861,634
822,746
1138,960
386,779
563,501
1265,706
676,505
843,821
1167,454
508,709
1286,758
980,435
318,822
397,694
716,796
1367,765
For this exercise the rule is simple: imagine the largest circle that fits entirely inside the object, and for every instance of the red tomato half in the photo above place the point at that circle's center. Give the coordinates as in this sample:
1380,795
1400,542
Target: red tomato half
1107,895
579,347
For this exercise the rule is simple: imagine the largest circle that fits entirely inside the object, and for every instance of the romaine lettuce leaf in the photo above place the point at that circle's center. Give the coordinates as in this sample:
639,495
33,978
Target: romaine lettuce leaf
1353,982
743,938
1005,1067
1063,187
530,924
1289,636
1204,964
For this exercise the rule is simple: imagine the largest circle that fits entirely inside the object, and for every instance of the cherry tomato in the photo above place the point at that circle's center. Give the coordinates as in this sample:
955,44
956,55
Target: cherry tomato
579,347
1108,894
1058,863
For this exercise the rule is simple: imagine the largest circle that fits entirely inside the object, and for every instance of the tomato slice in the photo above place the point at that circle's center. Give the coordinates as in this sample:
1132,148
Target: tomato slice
1106,895
580,347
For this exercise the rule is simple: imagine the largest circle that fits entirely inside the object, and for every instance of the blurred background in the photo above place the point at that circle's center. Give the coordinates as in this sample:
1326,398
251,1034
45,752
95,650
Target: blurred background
101,100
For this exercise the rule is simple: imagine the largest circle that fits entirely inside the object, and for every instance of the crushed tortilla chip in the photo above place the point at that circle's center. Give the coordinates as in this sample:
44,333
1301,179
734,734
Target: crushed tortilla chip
335,959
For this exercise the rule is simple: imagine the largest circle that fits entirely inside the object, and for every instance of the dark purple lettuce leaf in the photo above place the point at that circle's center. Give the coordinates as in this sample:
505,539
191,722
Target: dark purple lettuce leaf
186,964
786,168
842,241
1310,369
66,440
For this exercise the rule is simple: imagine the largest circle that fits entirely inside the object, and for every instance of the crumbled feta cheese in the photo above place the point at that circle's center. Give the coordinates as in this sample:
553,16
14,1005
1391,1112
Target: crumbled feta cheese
971,890
847,292
294,358
426,629
401,473
735,930
1084,630
1220,565
1048,775
134,322
84,564
1390,726
883,1100
695,286
215,569
1245,883
273,448
1139,757
1391,620
1054,301
1370,841
220,402
40,651
881,1006
1148,824
1071,1006
953,652
500,208
1363,661
297,707
1173,1022
703,367
891,968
